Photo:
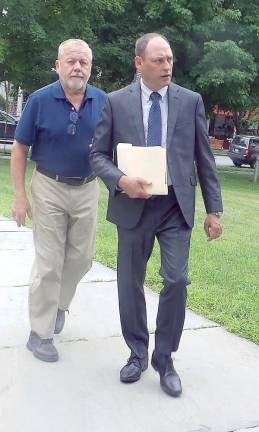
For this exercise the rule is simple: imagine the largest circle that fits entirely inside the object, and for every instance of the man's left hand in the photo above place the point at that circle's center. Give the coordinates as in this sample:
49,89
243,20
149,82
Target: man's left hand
212,226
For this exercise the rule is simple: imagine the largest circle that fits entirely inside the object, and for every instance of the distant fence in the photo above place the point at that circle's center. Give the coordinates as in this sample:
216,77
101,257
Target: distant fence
254,132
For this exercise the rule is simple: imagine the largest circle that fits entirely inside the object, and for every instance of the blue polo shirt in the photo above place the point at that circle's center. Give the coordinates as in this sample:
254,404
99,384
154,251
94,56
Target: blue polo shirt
44,127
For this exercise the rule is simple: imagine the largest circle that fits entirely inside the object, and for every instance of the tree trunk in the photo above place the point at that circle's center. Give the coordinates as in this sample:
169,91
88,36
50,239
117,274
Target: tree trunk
237,118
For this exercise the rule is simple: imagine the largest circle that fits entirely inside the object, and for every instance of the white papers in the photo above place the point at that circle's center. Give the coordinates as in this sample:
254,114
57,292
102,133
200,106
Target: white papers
148,163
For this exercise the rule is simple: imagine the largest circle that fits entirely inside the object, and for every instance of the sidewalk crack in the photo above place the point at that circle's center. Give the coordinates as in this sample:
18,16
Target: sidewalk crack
246,428
203,327
74,340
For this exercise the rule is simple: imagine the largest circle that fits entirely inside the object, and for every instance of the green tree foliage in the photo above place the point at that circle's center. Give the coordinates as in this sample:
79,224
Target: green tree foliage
31,30
215,42
225,74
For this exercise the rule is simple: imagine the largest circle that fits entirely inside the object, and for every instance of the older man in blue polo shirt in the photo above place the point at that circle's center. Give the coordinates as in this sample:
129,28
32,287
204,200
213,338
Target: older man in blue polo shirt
58,124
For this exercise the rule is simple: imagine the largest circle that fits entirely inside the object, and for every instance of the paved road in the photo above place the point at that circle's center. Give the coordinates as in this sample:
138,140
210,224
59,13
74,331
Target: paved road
223,161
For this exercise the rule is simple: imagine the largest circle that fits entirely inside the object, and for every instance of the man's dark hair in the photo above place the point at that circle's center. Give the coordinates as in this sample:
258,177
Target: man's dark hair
142,42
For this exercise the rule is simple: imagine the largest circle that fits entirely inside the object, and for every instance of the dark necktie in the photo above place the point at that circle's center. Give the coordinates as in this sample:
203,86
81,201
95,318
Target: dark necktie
154,130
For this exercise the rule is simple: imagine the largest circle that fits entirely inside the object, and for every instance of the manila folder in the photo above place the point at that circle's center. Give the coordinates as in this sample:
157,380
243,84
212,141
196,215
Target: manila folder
148,163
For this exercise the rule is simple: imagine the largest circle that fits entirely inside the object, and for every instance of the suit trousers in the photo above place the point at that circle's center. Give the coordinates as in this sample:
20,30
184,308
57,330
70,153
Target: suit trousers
162,219
64,225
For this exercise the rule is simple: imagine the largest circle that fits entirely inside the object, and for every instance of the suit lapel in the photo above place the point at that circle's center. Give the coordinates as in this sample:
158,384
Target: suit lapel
173,109
136,114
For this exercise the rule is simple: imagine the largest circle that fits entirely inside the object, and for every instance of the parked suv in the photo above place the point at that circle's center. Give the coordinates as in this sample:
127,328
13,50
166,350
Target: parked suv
244,150
7,128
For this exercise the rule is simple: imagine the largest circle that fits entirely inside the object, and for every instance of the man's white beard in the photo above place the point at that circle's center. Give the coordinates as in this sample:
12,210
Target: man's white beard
76,84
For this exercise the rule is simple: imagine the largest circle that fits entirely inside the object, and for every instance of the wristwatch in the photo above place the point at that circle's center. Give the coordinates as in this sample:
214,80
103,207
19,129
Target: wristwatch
218,214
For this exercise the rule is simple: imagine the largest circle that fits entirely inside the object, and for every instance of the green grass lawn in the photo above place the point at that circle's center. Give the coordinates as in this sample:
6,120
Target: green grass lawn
224,273
6,191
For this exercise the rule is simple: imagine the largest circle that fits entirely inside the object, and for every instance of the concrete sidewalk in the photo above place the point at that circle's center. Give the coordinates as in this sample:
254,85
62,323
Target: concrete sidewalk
82,392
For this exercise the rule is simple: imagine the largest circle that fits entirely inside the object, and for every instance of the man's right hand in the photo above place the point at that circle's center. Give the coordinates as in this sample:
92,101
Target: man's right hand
21,205
21,208
134,187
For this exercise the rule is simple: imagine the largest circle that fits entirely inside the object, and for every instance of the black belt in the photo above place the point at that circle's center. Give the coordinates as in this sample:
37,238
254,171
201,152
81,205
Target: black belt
71,181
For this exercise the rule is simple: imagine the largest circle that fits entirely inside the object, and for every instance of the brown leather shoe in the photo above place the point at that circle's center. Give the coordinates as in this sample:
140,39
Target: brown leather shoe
131,372
169,379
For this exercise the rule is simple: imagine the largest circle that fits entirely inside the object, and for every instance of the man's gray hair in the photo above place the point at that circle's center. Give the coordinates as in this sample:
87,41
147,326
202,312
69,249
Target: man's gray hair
142,42
74,42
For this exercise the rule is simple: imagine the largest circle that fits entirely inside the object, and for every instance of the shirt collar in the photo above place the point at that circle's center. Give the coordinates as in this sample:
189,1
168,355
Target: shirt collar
147,92
59,92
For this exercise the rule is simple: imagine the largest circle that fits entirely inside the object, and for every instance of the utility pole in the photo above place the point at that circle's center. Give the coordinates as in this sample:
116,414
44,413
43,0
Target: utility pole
256,171
19,102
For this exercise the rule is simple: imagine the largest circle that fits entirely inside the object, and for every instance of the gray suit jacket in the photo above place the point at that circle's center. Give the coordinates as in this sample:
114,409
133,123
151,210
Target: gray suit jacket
187,145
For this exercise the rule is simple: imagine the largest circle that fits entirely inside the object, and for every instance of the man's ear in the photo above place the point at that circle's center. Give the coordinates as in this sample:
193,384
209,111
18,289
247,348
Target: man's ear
57,65
138,62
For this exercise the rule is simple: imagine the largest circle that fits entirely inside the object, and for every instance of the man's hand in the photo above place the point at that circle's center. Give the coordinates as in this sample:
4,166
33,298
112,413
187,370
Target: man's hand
134,187
21,208
212,226
21,205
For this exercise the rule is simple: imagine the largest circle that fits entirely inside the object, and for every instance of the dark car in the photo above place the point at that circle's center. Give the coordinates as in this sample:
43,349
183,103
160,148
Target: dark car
7,127
244,150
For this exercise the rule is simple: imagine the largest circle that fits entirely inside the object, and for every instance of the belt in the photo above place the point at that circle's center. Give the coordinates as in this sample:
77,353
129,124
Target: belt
71,181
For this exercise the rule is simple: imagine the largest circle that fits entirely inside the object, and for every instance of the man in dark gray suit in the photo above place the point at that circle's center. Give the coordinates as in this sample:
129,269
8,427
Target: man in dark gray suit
155,111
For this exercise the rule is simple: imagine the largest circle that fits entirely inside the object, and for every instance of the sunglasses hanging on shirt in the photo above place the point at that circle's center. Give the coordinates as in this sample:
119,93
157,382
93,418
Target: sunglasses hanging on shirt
73,117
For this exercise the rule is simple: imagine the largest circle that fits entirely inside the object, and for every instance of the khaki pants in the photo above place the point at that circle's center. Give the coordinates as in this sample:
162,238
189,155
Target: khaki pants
64,225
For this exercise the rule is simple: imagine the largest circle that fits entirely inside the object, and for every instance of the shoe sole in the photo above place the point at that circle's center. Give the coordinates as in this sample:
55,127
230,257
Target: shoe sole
58,331
129,380
39,357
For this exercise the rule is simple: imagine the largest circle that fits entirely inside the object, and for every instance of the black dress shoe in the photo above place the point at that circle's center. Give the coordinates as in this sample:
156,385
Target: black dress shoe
169,379
131,372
